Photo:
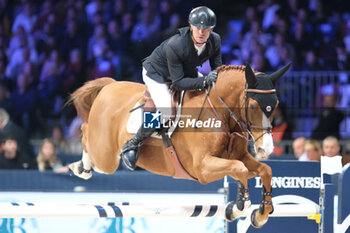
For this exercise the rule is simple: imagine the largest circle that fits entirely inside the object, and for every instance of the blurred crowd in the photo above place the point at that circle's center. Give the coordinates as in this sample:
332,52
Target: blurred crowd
312,34
49,48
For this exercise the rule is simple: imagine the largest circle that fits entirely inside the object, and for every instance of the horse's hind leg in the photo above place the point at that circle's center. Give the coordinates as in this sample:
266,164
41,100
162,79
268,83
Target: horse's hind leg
82,168
260,216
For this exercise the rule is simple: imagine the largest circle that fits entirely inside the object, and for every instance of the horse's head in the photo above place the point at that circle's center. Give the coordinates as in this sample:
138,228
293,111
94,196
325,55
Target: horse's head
260,106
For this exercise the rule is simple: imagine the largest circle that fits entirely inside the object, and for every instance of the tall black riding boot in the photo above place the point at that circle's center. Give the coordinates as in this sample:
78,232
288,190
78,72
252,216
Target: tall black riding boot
130,151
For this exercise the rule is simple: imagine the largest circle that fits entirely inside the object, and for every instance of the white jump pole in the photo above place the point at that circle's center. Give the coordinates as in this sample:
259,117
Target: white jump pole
146,211
112,211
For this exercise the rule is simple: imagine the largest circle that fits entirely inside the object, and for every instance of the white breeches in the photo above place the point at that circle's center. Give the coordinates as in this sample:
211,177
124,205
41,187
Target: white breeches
160,94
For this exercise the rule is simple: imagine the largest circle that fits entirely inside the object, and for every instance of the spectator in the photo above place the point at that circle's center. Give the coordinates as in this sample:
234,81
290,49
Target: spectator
46,41
11,157
49,85
5,101
57,137
144,32
74,136
329,120
331,148
116,45
19,39
253,38
279,25
26,18
277,51
299,149
52,65
97,19
92,8
20,56
96,42
74,74
259,62
302,41
310,61
115,40
43,15
343,60
29,70
170,20
117,10
6,16
3,60
72,38
102,66
8,127
47,159
79,6
250,15
313,150
268,8
127,27
24,100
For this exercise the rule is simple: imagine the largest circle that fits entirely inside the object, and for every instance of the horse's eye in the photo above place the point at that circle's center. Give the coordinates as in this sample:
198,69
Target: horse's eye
252,106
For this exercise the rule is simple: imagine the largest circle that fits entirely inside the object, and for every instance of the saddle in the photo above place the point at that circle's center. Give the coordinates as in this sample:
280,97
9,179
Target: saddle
147,104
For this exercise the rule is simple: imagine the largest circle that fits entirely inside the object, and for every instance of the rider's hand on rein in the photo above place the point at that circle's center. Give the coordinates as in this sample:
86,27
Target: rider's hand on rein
210,78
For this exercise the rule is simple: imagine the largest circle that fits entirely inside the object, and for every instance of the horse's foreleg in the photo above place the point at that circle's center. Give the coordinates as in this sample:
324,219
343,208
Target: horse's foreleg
211,168
260,216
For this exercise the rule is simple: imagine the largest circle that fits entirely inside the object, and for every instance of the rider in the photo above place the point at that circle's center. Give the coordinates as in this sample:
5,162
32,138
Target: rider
173,64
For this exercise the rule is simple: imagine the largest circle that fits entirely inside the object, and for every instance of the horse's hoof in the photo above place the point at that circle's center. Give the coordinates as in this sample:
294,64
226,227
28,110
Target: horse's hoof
75,169
229,216
253,220
233,211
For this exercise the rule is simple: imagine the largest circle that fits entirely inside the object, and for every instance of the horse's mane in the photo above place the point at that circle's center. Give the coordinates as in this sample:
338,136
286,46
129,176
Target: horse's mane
223,68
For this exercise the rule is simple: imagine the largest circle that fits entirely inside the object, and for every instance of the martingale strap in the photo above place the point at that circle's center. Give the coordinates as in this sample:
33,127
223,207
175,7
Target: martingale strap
180,172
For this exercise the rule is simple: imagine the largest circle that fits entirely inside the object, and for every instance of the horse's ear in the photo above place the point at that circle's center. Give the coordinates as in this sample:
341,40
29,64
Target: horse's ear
250,76
279,73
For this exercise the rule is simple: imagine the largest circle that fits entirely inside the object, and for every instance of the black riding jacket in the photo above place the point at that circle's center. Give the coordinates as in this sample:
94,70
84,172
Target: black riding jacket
175,60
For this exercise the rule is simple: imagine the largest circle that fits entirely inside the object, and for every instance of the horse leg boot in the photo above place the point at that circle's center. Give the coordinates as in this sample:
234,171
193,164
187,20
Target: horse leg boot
260,216
131,149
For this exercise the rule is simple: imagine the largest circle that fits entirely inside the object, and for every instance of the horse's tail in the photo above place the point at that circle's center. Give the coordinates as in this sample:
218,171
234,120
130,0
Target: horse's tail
84,96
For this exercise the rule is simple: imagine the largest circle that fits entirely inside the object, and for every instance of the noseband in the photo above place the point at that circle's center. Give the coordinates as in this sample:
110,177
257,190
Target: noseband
245,126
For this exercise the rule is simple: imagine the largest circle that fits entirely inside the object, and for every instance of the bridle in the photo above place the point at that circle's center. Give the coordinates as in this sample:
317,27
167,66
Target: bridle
245,126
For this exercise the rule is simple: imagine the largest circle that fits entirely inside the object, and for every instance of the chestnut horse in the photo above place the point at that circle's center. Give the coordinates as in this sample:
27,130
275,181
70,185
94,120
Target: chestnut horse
244,101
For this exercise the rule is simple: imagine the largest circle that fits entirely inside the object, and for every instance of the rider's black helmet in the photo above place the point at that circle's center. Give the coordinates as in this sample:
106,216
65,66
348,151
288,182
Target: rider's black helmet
202,17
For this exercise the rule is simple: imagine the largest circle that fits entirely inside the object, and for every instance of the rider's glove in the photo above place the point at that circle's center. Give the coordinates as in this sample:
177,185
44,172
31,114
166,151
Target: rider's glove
210,78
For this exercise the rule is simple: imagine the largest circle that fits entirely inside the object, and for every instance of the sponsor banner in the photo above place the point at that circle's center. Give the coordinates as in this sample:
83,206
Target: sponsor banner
292,182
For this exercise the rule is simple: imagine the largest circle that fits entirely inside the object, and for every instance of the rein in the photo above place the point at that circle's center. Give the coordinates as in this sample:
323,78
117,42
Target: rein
245,127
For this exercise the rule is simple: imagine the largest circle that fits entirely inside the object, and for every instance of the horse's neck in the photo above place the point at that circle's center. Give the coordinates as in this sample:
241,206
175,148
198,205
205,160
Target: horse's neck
231,91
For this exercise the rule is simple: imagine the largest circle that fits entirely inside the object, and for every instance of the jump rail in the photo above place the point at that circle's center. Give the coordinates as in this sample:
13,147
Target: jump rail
112,210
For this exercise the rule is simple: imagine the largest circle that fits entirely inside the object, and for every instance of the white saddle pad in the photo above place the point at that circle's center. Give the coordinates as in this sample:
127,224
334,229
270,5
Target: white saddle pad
136,119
